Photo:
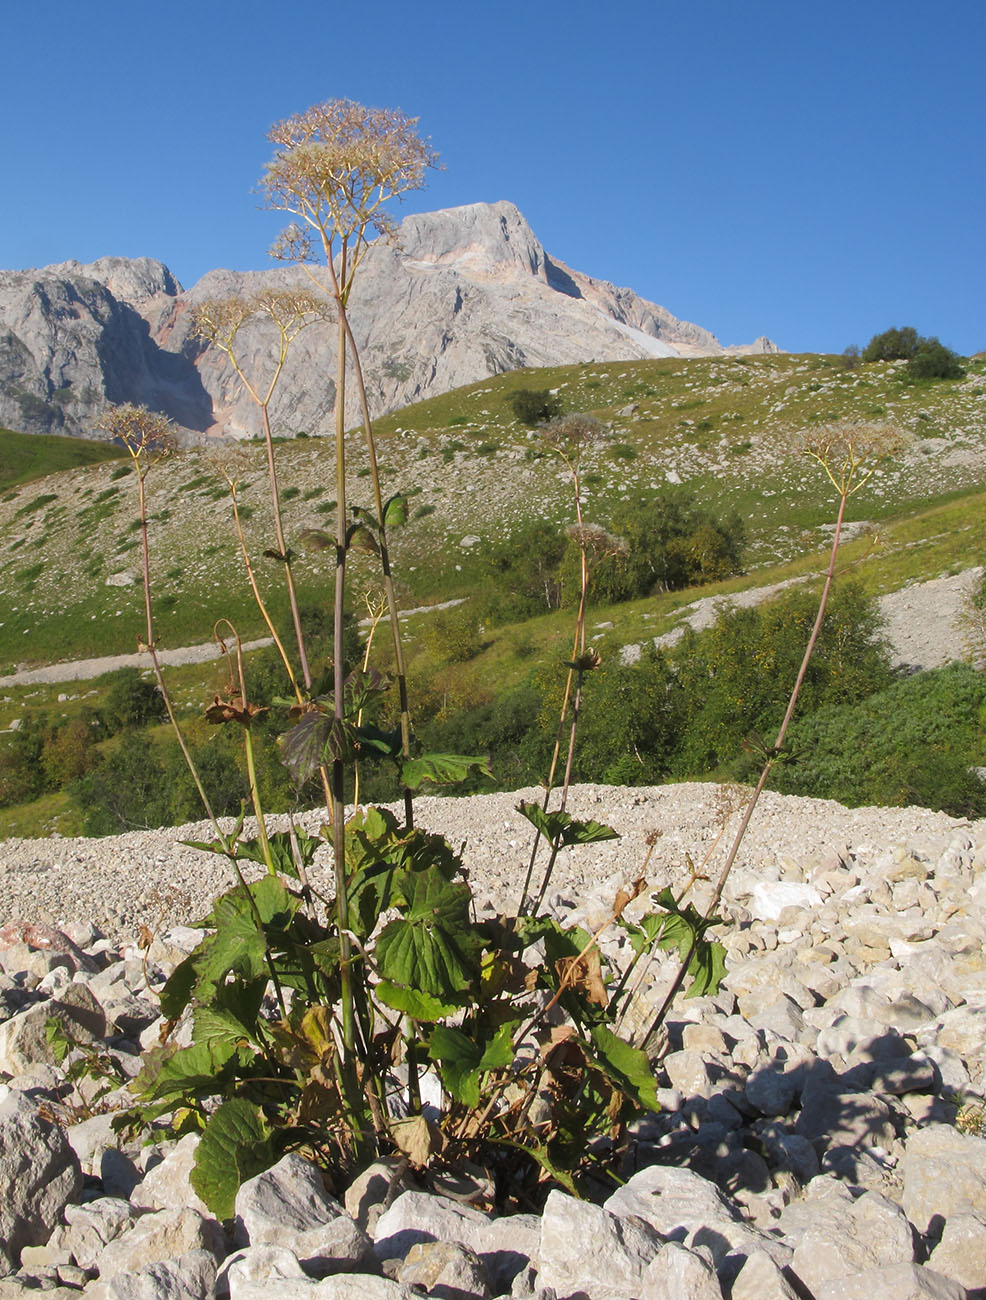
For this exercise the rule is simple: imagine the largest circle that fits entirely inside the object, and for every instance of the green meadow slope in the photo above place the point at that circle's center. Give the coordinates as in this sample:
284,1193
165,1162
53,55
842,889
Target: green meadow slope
727,428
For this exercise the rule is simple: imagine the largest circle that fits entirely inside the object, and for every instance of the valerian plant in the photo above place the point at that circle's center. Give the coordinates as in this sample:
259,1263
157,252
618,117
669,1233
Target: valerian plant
310,1021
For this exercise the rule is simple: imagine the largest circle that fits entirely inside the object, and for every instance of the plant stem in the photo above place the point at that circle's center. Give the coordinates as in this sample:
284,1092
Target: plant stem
645,1041
142,470
388,581
265,615
282,546
578,649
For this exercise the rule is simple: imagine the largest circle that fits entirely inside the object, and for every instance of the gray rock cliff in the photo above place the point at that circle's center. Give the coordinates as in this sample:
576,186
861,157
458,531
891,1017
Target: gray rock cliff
455,297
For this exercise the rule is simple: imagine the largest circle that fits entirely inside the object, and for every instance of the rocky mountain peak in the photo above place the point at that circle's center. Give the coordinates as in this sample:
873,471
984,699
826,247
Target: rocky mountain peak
478,240
133,280
453,297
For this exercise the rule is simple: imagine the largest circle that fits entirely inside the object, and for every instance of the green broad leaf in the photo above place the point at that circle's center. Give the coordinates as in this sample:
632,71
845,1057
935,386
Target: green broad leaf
214,1026
459,1058
360,538
373,742
420,850
443,769
626,1067
380,856
239,945
708,968
324,955
200,1068
647,932
303,746
242,999
419,1006
207,846
238,948
395,511
177,991
271,902
236,1145
360,687
57,1040
226,844
282,851
539,1152
464,1062
367,516
684,929
562,941
560,829
366,827
433,948
499,1051
316,539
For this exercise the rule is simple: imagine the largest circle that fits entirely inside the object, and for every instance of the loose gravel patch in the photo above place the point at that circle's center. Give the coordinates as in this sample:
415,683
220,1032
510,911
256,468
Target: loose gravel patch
151,878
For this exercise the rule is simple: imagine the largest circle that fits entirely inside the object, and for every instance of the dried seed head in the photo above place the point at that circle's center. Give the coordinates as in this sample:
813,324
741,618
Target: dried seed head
850,451
570,435
335,165
597,543
219,320
146,435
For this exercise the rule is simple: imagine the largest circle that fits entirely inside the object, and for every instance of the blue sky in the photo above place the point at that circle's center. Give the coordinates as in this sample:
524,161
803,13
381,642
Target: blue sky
813,172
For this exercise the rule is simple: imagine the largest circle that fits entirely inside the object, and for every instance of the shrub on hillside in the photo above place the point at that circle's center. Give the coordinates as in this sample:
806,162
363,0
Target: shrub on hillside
687,712
131,702
533,406
932,360
453,635
523,572
665,543
892,345
913,742
927,358
137,786
736,676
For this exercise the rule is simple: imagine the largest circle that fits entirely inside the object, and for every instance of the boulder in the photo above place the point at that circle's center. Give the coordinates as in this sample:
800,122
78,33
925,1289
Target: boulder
39,1175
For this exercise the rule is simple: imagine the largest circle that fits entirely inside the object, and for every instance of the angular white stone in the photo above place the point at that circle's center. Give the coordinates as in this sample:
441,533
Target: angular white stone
39,1176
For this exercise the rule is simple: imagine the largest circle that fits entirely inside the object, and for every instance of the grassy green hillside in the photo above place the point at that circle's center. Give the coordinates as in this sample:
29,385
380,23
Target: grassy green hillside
25,457
728,428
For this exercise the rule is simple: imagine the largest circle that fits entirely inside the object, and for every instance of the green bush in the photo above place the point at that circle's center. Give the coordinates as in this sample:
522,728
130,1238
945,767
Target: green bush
138,786
69,751
533,406
453,635
131,701
913,742
892,345
932,360
927,358
665,543
735,677
632,723
523,572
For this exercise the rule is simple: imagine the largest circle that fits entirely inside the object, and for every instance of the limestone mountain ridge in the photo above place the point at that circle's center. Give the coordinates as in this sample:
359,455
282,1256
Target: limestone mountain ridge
457,296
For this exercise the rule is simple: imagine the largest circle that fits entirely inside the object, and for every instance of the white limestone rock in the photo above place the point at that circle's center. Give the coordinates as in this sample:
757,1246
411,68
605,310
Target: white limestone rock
847,1238
445,1268
944,1174
287,1205
39,1176
961,1253
166,1186
585,1248
190,1276
161,1236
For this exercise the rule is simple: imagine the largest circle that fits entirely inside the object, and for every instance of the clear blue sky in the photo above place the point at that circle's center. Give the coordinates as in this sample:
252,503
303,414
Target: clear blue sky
810,171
